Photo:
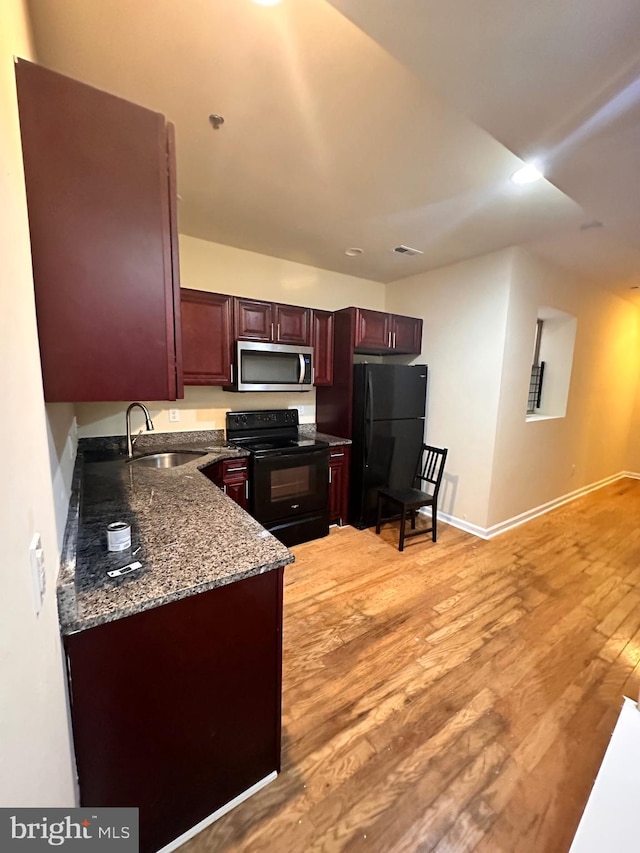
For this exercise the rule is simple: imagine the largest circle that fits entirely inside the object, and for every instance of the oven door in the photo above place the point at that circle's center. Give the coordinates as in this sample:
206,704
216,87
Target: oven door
288,485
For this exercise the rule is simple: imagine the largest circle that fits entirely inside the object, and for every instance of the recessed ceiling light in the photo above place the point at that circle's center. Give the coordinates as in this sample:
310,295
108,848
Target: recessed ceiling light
635,287
527,174
353,252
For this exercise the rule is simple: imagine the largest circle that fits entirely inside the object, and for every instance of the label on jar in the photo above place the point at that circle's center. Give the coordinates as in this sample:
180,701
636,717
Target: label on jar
119,536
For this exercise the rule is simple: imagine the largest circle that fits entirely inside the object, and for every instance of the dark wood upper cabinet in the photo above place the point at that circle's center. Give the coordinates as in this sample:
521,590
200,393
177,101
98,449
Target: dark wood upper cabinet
254,320
292,324
373,330
406,334
272,322
360,330
100,180
322,343
381,333
206,337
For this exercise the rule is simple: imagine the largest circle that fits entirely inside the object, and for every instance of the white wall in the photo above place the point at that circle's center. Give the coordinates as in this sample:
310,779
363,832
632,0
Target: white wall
464,309
35,752
536,462
62,435
224,269
632,456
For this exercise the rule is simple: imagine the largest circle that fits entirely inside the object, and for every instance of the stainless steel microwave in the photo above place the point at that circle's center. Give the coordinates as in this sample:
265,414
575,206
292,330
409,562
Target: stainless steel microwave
273,367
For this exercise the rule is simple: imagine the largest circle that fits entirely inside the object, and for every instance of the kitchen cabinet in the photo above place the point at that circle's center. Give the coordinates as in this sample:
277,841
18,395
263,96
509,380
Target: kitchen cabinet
339,464
101,195
177,709
272,322
360,331
406,335
322,343
372,330
232,476
207,346
386,334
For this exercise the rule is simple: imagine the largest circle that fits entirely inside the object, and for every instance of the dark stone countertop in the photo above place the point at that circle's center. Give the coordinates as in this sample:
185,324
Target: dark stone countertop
309,431
188,535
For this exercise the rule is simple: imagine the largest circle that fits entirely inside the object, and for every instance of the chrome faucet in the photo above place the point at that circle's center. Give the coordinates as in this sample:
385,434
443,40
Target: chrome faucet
149,425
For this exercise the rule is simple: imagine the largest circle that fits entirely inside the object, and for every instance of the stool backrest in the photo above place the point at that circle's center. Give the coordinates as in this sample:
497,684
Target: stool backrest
430,467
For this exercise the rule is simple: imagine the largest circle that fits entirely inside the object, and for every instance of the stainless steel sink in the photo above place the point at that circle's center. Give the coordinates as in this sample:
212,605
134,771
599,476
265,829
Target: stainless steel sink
166,460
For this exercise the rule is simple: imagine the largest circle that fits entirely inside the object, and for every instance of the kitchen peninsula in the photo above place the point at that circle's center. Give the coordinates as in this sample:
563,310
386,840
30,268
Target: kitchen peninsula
174,667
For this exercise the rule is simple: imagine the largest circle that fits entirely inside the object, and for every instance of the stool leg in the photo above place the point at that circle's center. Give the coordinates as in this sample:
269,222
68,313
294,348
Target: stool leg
434,522
413,519
403,519
379,516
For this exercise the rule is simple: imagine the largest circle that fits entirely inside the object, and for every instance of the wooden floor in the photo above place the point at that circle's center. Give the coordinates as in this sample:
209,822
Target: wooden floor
456,697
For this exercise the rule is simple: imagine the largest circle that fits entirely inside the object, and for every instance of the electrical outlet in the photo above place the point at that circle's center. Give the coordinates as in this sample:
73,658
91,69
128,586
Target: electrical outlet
174,415
38,574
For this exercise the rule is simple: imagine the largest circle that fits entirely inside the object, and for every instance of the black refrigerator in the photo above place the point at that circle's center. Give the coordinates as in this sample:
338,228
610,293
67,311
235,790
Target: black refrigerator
389,402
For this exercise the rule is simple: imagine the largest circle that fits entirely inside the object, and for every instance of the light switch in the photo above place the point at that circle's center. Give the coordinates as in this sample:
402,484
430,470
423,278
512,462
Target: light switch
38,574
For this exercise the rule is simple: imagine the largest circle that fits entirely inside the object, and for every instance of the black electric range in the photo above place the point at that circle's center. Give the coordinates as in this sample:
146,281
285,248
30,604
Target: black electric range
289,473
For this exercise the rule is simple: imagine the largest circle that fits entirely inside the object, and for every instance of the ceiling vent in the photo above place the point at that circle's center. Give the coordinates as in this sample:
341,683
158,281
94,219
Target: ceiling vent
407,250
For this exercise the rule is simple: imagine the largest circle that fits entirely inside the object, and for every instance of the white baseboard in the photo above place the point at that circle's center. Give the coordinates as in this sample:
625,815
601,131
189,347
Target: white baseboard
523,517
182,839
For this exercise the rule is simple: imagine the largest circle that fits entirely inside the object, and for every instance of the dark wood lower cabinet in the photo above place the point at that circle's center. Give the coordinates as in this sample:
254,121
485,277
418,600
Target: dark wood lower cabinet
177,710
232,476
339,464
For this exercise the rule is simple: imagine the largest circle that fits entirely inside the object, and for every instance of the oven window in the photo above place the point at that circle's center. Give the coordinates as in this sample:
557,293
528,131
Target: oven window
270,368
287,483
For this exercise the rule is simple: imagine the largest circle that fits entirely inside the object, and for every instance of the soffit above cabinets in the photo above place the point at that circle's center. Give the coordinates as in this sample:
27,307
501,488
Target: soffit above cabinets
333,136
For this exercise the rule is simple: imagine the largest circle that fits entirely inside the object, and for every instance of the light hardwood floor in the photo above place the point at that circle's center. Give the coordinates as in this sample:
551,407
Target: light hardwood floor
457,697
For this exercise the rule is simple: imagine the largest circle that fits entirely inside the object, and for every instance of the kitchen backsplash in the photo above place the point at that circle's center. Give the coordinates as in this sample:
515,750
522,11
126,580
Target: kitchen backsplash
201,409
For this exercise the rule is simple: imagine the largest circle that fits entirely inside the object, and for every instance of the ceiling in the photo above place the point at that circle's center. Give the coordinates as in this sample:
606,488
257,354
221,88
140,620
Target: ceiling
368,123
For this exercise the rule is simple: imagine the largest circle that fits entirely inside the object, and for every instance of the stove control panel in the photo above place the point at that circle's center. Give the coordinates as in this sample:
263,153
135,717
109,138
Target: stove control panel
261,419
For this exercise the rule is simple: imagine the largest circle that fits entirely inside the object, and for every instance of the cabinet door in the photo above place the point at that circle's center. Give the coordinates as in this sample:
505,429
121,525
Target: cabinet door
322,342
98,192
373,330
406,335
235,480
338,484
177,709
238,491
292,325
206,337
254,320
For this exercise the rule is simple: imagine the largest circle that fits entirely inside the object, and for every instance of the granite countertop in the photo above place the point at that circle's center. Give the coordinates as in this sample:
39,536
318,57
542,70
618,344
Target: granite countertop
310,431
187,534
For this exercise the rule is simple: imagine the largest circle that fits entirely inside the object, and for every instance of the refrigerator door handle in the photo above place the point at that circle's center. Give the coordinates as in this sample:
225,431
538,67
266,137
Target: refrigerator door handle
368,410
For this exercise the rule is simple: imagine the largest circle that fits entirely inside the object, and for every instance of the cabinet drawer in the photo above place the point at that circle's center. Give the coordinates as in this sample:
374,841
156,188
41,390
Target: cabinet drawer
234,469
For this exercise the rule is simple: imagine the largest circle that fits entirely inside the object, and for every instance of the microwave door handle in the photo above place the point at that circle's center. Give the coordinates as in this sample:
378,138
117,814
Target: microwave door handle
301,357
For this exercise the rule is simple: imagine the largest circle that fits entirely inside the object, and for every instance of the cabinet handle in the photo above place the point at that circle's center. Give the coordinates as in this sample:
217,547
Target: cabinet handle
246,489
330,480
394,340
272,331
235,469
232,374
224,489
278,338
336,455
389,340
